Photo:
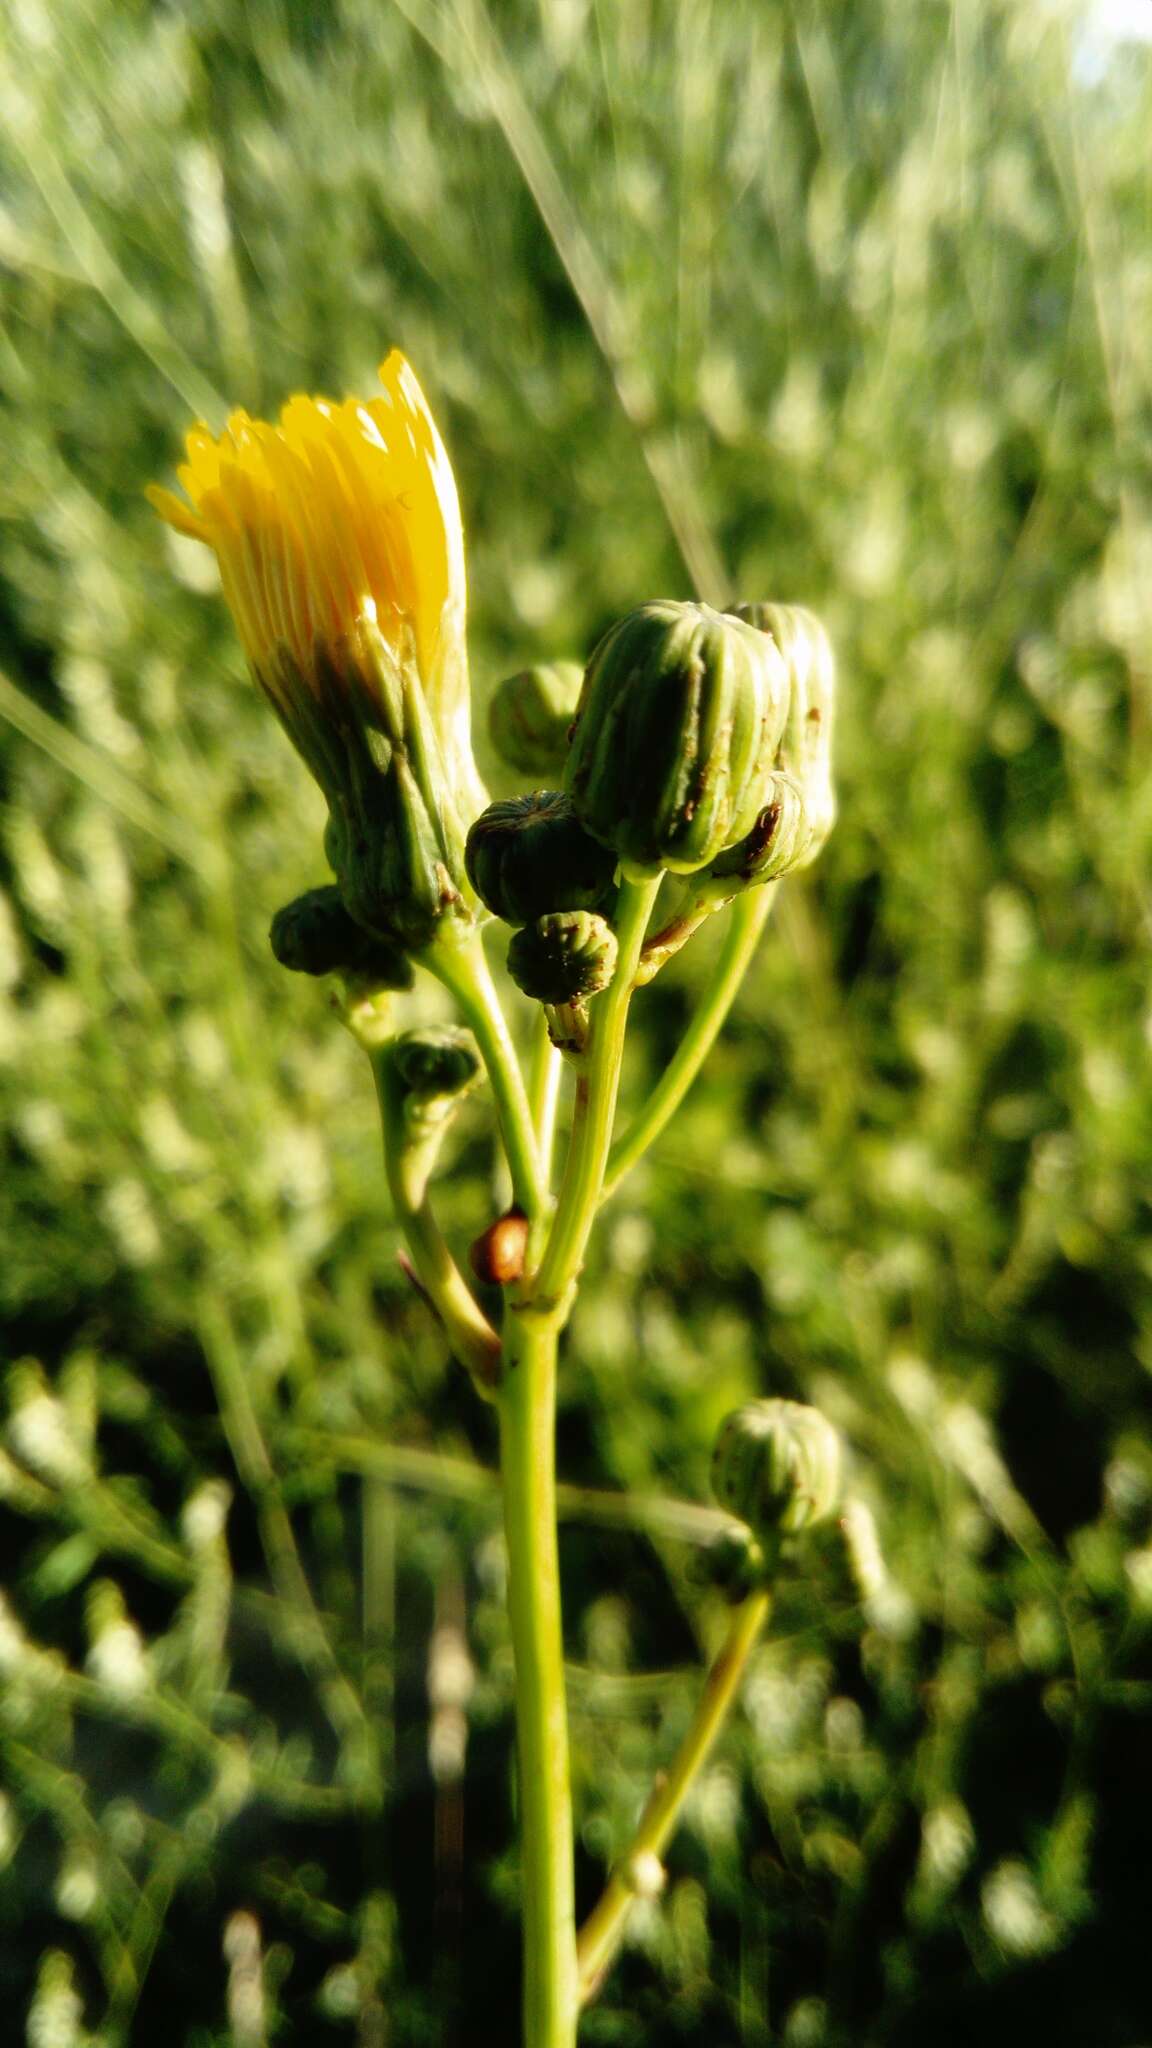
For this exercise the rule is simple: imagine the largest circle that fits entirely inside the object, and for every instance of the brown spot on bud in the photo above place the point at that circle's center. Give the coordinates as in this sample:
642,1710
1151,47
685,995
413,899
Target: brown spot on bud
497,1256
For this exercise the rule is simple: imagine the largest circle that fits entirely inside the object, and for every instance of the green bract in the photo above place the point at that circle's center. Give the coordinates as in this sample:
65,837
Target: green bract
564,957
777,1467
530,854
530,716
676,735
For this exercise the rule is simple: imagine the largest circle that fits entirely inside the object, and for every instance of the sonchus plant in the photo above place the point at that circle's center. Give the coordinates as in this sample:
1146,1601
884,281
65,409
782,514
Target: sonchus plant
691,764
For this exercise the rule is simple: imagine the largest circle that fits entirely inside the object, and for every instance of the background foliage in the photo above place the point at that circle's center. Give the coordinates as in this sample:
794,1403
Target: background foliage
788,298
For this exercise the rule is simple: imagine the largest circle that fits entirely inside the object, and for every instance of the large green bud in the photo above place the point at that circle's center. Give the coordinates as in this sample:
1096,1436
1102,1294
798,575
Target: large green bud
530,716
676,735
806,742
777,1467
530,854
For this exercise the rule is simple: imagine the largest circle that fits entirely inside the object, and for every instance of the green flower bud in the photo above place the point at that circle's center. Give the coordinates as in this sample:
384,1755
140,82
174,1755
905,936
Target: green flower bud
676,736
530,854
530,716
436,1062
806,744
563,958
423,1077
778,840
315,934
777,1467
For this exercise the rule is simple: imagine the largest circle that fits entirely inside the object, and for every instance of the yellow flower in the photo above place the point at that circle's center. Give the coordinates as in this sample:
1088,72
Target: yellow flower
341,555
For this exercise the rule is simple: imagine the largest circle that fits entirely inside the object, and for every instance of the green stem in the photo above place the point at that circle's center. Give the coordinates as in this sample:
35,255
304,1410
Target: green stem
748,917
473,1340
544,1091
596,1090
527,1403
601,1932
465,973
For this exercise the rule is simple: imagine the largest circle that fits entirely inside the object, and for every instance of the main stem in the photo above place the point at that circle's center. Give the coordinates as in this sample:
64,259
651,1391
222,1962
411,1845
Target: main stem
527,1403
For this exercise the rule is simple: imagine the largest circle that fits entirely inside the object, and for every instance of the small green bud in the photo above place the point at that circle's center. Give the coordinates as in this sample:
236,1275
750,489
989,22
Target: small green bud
777,1467
435,1062
530,716
676,735
315,934
563,958
806,744
423,1077
530,854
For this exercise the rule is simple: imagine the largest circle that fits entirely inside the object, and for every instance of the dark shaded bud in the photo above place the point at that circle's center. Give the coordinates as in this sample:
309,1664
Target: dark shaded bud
529,854
315,934
530,716
435,1062
777,1467
805,752
563,958
676,735
497,1255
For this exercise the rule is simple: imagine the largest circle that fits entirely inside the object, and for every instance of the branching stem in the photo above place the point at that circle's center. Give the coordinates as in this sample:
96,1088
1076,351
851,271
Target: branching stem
464,971
747,919
602,1931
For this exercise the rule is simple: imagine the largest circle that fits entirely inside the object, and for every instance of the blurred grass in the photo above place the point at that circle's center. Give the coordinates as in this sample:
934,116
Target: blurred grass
768,298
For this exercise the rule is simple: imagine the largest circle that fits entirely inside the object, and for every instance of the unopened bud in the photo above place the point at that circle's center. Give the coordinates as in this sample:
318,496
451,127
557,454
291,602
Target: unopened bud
530,717
563,958
778,841
777,1467
806,743
676,735
435,1062
531,854
315,934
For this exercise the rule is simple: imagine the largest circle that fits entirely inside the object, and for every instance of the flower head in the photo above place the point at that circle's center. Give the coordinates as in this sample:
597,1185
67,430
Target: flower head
341,554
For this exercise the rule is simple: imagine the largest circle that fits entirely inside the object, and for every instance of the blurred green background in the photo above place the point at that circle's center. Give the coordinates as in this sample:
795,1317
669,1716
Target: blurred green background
796,299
